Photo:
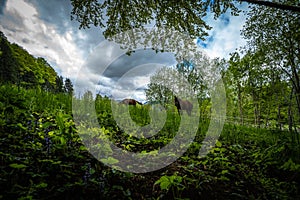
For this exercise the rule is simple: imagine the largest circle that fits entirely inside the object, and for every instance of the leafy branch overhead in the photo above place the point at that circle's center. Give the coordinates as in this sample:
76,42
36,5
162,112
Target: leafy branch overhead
118,16
185,16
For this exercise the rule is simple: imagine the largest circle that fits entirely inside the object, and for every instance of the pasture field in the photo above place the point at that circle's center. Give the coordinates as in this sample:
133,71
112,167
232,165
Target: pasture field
43,157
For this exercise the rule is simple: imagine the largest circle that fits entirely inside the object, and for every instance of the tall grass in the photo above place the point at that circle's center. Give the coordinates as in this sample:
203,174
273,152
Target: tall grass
35,100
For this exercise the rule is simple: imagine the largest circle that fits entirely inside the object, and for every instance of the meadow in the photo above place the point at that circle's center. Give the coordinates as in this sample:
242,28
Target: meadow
42,155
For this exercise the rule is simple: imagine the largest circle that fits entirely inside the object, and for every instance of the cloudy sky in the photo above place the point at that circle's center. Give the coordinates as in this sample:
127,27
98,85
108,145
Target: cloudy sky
44,29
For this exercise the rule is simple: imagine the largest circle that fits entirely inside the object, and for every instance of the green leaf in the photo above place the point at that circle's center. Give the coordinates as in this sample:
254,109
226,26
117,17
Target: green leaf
21,126
109,160
164,185
41,185
225,171
82,148
164,182
62,140
47,124
17,166
218,144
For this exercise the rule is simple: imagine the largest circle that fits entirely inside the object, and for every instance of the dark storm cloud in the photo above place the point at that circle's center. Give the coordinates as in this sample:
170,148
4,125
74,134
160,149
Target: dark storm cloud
119,75
25,40
125,63
2,6
58,13
12,21
55,12
141,88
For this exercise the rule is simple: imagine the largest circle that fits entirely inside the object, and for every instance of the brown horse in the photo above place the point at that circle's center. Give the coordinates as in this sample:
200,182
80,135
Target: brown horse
183,105
130,102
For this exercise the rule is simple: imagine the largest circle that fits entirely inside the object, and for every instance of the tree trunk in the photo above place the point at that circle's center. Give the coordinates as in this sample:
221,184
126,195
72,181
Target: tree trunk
240,104
267,117
279,117
295,73
290,115
255,99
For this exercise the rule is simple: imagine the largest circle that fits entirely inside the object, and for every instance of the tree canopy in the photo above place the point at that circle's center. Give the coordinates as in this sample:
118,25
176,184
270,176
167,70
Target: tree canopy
185,16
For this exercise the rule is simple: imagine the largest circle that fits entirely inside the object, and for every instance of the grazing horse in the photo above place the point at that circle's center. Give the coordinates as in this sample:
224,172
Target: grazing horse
183,105
130,102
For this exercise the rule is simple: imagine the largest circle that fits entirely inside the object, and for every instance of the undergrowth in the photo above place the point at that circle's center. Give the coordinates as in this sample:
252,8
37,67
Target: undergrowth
43,157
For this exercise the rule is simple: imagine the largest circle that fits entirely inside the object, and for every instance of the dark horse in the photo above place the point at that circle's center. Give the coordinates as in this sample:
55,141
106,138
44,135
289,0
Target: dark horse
183,105
130,102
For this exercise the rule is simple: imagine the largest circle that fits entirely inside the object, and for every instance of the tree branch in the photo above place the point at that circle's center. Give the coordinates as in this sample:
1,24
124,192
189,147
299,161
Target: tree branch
274,5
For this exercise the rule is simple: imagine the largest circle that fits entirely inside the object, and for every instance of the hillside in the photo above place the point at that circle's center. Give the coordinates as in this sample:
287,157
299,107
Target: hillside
19,67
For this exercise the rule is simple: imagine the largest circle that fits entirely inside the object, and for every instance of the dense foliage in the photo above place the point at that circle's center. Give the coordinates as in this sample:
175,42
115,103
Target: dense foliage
185,16
42,156
19,67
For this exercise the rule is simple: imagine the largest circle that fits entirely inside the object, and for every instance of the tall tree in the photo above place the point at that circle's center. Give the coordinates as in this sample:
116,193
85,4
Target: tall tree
161,87
279,47
192,74
68,86
8,64
235,82
59,84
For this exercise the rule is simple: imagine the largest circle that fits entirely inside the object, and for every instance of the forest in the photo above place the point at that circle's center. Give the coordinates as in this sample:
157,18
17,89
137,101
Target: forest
49,150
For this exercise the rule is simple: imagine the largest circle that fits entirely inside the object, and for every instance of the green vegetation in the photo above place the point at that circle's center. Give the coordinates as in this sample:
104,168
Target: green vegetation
256,156
18,67
184,16
42,157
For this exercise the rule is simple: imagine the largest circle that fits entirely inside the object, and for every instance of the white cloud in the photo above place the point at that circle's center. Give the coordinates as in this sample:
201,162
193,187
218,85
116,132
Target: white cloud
66,48
26,10
224,38
21,25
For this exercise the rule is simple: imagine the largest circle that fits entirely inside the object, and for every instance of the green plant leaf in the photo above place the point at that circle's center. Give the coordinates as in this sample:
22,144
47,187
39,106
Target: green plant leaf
109,160
17,166
218,144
